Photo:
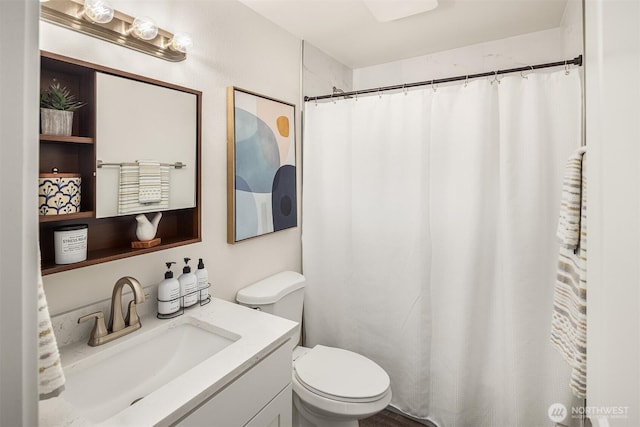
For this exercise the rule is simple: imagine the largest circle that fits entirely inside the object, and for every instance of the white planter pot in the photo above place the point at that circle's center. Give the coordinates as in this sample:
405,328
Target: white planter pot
56,122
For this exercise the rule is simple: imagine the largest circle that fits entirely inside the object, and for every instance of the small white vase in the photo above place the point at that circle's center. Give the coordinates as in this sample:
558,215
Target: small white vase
56,122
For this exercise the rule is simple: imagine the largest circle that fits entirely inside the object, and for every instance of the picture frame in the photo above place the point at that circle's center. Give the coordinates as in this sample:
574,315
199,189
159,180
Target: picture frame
261,165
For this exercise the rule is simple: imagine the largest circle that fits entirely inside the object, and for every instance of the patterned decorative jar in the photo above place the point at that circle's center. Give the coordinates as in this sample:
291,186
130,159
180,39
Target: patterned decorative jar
59,193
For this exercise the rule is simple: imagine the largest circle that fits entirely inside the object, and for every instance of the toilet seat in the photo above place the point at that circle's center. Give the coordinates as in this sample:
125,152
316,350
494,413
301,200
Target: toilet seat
341,375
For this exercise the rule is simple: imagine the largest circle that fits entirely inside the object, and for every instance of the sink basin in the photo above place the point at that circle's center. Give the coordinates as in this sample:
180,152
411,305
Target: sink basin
111,380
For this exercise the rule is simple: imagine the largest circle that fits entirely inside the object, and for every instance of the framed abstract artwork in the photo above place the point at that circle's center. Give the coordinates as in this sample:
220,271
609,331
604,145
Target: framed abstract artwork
261,165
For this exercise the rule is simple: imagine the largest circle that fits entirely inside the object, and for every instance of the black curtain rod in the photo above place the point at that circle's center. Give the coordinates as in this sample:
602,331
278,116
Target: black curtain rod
575,61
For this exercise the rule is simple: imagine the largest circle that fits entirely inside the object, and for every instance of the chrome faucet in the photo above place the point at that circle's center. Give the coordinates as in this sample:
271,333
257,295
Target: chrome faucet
118,325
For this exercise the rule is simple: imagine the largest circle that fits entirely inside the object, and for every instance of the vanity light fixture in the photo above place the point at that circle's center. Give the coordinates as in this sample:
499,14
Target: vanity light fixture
96,18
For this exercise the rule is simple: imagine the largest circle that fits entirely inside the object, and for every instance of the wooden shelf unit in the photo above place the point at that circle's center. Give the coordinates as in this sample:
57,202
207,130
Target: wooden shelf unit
108,238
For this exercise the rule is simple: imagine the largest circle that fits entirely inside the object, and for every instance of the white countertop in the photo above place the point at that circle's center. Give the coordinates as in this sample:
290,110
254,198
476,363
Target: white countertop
260,334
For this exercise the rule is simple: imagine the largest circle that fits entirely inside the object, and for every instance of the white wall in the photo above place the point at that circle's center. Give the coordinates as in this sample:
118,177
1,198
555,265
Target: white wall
18,212
321,73
563,42
232,46
573,29
519,51
613,139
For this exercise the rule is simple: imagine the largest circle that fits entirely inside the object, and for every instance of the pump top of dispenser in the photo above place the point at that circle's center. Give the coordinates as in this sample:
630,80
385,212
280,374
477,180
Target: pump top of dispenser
169,273
200,264
186,269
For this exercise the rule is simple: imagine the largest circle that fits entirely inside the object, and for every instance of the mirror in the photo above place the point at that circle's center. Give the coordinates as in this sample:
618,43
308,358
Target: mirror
146,146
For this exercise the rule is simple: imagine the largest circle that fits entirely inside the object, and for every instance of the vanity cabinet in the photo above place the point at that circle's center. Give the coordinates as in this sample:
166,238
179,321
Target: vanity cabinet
109,238
261,397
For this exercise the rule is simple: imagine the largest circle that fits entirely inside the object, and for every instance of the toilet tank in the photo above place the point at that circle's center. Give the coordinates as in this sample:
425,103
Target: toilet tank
281,295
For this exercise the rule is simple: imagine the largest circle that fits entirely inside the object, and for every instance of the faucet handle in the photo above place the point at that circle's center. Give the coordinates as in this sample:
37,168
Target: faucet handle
99,329
132,318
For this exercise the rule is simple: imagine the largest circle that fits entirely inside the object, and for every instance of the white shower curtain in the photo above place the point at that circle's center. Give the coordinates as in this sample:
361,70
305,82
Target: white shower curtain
429,242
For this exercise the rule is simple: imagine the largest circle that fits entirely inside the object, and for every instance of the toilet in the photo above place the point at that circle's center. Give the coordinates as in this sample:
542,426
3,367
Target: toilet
331,387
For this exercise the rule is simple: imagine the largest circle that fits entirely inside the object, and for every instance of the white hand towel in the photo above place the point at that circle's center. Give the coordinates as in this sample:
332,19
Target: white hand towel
50,375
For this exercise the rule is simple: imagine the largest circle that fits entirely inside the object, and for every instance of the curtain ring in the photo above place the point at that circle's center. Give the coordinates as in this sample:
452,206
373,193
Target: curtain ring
466,81
567,69
356,95
404,88
380,92
495,78
316,101
530,66
524,76
434,86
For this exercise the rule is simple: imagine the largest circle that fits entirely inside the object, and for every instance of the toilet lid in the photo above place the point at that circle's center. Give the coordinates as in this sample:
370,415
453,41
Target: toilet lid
341,375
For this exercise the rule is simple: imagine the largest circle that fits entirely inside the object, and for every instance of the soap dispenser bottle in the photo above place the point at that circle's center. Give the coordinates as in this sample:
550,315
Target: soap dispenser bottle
203,281
188,285
168,293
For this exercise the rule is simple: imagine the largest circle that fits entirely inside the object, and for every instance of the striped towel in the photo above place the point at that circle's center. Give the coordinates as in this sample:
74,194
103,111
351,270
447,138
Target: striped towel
50,375
568,232
129,190
569,321
149,186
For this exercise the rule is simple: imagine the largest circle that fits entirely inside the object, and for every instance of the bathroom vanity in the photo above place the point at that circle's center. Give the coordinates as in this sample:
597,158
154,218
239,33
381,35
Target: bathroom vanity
220,364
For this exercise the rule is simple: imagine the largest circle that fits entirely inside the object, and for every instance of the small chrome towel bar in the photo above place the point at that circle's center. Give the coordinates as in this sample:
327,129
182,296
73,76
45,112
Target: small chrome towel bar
177,165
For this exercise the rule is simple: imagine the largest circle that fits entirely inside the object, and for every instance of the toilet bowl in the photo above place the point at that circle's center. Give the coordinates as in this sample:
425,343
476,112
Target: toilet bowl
332,387
336,387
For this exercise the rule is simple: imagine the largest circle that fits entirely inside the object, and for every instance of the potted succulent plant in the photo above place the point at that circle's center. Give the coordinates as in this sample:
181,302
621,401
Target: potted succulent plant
57,105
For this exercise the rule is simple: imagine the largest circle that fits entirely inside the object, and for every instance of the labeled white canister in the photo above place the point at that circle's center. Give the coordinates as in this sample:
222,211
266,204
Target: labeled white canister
70,243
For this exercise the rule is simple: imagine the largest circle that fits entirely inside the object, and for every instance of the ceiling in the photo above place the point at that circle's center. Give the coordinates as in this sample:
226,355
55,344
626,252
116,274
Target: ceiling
348,31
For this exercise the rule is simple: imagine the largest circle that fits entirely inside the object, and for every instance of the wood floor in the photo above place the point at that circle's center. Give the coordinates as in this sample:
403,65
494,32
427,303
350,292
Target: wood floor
387,418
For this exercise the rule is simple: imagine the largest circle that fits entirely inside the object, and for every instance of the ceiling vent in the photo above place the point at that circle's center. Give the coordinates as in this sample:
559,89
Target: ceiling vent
391,10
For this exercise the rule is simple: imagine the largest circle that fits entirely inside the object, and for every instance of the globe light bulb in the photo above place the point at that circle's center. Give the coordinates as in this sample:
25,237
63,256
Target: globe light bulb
181,42
144,28
98,11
